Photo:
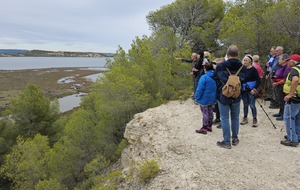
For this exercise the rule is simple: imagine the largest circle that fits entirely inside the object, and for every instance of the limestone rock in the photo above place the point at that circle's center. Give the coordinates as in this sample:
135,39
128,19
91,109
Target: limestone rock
193,161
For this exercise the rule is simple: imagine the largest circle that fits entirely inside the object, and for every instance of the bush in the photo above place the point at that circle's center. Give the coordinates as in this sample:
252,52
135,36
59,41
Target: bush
48,185
123,144
108,182
148,171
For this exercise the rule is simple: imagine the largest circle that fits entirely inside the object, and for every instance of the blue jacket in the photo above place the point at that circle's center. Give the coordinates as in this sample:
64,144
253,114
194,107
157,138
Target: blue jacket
206,90
221,76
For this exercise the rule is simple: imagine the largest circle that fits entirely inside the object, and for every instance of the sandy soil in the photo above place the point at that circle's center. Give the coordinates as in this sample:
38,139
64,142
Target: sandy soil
193,161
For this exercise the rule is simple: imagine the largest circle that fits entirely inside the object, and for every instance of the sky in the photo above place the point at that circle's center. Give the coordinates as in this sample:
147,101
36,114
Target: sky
74,25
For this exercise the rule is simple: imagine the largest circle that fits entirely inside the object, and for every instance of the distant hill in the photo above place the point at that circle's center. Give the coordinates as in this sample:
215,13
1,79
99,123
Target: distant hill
13,51
45,53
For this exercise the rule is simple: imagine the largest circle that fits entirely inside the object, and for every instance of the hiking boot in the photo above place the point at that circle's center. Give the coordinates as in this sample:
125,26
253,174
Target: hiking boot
254,122
289,143
209,129
201,131
244,121
216,121
224,145
286,137
279,118
277,115
219,126
235,141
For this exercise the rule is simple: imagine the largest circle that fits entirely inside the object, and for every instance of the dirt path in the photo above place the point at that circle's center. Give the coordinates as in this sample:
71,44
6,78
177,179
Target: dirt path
193,161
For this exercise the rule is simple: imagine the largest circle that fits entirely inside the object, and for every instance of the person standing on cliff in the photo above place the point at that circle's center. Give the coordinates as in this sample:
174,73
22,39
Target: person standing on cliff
229,106
197,68
205,95
216,107
292,107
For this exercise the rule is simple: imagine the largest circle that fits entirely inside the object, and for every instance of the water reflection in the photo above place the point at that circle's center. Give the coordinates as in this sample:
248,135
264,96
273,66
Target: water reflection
68,103
66,80
94,77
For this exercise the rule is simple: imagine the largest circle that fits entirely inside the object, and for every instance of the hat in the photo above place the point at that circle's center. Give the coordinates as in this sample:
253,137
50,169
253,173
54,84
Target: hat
294,57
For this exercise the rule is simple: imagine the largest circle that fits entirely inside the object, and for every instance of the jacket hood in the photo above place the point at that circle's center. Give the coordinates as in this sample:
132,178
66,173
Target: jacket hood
233,64
210,73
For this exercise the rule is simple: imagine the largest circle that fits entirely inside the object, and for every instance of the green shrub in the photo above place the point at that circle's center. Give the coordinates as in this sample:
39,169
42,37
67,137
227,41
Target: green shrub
48,185
123,144
148,171
108,182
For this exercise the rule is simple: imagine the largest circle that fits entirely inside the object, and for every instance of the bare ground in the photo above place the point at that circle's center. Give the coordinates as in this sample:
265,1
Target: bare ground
193,161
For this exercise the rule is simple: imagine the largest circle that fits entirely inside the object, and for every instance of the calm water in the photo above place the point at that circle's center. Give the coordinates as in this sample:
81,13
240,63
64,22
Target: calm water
94,77
70,102
18,63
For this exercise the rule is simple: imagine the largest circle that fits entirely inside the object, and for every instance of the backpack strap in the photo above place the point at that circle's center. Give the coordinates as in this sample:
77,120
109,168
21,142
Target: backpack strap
228,70
239,70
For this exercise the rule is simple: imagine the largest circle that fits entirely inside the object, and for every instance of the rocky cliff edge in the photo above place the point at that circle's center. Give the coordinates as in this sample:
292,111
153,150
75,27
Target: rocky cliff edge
193,161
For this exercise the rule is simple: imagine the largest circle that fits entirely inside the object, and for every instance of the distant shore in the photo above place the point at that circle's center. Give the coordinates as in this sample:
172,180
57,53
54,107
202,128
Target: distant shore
45,53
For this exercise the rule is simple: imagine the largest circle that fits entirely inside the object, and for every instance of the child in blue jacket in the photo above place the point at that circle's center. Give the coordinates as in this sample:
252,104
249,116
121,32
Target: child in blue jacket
205,95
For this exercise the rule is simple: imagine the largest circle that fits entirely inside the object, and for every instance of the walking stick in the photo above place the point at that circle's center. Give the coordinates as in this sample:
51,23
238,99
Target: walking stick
266,114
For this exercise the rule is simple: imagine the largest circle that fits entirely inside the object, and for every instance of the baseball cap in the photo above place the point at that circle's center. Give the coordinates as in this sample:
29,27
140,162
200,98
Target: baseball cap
294,57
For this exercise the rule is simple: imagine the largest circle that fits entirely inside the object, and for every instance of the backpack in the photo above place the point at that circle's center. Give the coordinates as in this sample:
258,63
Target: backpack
232,88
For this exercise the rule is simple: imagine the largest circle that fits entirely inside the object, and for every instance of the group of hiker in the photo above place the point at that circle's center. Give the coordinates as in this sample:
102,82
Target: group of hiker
220,85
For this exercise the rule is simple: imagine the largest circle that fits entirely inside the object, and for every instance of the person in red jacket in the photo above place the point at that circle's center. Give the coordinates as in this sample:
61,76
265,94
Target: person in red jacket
257,66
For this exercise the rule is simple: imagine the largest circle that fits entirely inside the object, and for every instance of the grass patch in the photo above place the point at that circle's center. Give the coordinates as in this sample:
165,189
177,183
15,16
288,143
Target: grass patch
148,171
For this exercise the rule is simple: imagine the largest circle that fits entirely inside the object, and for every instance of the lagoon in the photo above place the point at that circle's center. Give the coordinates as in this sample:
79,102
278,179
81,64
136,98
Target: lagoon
68,102
20,63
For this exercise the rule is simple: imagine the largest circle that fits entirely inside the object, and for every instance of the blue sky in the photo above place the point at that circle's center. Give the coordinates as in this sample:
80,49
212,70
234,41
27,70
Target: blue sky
74,25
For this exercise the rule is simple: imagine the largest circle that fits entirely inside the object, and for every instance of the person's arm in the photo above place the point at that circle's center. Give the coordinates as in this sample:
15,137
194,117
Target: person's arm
256,75
242,75
281,82
184,60
294,85
257,81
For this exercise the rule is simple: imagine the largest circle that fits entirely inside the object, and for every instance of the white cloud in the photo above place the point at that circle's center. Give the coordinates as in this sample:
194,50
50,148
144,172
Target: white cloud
82,25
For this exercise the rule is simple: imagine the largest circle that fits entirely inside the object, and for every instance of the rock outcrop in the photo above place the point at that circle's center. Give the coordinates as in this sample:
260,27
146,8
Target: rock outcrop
193,161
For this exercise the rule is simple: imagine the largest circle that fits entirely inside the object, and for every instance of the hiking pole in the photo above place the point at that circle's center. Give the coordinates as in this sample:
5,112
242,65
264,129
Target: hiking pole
266,114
